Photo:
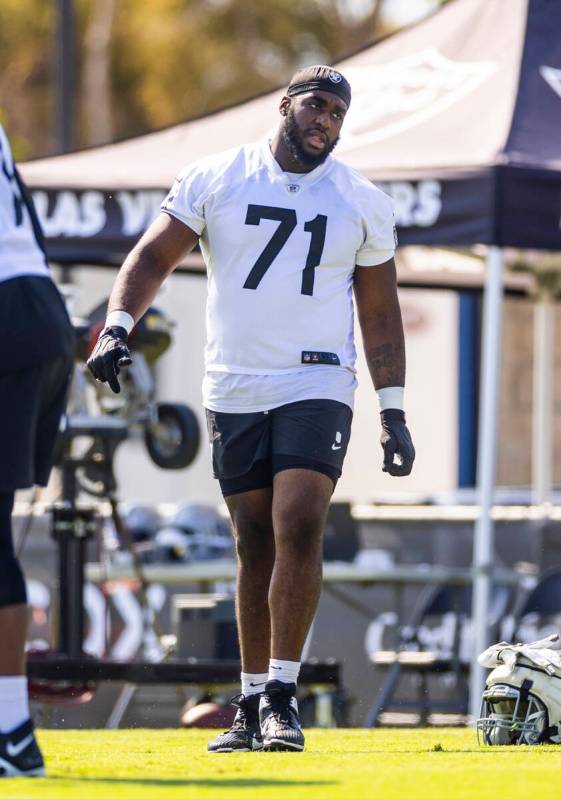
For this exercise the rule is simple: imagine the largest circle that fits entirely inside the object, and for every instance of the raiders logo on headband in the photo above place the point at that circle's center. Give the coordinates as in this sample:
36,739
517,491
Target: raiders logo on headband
322,78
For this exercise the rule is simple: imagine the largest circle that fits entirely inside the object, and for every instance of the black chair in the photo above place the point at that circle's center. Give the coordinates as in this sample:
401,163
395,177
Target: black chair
340,540
417,654
541,604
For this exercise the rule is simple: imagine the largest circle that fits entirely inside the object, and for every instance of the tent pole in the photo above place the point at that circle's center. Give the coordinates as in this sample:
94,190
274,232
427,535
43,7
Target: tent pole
542,432
484,543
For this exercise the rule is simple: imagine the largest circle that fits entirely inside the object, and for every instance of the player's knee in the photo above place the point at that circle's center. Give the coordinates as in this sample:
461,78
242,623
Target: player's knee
12,582
299,530
253,540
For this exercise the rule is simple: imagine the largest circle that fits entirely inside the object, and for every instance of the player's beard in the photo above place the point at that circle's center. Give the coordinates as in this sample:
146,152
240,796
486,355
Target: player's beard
292,136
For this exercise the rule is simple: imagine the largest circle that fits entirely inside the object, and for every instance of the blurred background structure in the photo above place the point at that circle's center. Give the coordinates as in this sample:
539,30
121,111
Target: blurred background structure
76,73
86,73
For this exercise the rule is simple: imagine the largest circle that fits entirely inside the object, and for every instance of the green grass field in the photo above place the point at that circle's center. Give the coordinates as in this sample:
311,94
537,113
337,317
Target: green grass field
164,764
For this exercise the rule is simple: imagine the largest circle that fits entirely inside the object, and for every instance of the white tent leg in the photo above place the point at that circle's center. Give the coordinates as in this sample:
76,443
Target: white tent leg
542,432
483,543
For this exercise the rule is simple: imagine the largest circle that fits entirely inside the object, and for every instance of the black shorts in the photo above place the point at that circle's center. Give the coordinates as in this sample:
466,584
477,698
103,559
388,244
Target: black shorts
32,402
248,449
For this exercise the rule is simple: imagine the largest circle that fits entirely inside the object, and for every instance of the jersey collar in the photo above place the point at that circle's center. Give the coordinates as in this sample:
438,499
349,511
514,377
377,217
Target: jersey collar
288,179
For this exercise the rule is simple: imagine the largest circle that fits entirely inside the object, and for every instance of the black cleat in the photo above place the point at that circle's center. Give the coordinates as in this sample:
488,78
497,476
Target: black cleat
245,733
278,713
20,755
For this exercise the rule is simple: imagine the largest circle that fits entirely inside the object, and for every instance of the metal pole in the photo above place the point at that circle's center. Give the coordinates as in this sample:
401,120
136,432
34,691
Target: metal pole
65,75
484,541
542,417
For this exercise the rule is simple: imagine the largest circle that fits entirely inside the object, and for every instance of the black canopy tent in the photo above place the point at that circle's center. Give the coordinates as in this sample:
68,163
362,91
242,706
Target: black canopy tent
457,117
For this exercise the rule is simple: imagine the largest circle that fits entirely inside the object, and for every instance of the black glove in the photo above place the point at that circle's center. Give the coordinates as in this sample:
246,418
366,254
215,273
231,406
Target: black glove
396,440
110,354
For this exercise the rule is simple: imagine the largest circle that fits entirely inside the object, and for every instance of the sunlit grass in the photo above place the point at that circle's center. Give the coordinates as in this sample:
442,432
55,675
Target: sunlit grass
337,763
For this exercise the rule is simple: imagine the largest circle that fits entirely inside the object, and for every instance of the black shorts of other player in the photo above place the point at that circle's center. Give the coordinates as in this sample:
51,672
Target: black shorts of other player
36,360
249,449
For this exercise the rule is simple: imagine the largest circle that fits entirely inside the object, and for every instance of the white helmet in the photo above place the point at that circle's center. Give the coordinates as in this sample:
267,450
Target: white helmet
199,518
143,520
171,544
521,703
208,532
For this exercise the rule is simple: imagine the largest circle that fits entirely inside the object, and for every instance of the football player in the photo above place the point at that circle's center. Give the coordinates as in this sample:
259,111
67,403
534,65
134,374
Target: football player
36,358
288,234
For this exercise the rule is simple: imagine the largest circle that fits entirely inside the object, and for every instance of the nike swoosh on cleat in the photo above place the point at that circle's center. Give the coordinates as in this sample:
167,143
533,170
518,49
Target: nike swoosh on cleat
14,750
334,446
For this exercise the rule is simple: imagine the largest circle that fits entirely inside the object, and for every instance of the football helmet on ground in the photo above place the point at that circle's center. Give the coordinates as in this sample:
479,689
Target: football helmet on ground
521,703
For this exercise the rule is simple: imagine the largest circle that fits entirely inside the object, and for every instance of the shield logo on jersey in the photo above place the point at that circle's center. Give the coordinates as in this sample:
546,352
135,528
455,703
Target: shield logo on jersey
293,188
173,192
399,95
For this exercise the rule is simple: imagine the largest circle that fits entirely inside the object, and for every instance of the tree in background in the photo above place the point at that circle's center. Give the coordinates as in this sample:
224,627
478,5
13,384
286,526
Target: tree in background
26,88
194,57
96,73
146,64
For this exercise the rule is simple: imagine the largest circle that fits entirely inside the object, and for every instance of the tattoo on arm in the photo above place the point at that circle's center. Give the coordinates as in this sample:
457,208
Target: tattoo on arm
380,321
386,364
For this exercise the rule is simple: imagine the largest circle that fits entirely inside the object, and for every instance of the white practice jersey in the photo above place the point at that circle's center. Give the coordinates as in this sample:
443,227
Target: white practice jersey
20,253
280,251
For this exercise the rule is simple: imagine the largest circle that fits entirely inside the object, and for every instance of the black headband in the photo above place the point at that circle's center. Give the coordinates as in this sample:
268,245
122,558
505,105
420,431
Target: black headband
323,78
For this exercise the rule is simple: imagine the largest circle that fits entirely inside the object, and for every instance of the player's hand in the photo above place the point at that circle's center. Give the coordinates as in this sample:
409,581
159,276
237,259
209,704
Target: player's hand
396,441
109,356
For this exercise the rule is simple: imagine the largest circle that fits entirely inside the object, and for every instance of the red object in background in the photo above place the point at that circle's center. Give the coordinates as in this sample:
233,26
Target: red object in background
60,691
209,715
93,336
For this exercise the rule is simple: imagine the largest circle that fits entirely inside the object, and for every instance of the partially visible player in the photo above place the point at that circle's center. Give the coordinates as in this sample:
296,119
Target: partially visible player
36,356
288,235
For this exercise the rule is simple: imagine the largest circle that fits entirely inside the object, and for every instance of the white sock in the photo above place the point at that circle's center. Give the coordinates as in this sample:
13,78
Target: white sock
14,702
284,670
253,683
